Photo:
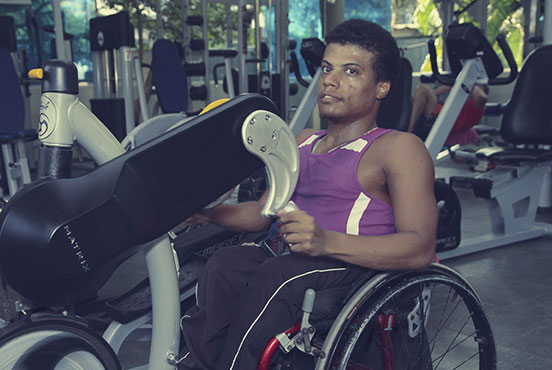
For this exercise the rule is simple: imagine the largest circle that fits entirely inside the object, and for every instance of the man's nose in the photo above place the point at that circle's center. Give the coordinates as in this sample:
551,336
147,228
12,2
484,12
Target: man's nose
330,79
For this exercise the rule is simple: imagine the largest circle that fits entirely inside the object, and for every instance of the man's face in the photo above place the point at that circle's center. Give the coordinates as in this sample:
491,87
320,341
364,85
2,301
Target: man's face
347,90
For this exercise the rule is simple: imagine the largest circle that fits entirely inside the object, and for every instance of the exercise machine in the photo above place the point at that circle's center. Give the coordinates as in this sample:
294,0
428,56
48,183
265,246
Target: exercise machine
512,185
14,105
111,43
269,139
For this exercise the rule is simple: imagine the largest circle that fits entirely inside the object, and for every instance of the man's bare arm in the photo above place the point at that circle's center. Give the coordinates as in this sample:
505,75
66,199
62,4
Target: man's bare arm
442,89
410,179
479,96
244,216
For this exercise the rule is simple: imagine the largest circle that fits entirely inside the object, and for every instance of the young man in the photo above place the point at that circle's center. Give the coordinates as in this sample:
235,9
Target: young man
426,105
366,202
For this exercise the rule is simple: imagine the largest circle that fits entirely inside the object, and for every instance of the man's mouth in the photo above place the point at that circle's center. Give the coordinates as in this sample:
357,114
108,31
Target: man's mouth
328,97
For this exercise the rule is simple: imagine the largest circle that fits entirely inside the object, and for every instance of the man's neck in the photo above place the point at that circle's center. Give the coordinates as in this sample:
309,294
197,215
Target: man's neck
338,132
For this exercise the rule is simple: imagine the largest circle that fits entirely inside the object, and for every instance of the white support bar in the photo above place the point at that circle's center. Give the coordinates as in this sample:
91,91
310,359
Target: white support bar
473,71
58,29
547,27
144,112
307,105
165,295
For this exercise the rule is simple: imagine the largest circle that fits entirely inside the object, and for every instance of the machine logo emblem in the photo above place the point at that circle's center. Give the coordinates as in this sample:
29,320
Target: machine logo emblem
76,249
47,117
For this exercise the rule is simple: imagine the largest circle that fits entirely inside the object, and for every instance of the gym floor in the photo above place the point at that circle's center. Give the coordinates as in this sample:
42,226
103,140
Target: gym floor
514,283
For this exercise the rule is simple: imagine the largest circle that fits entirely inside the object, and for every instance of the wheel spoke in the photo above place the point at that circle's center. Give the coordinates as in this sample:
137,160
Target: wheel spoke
432,335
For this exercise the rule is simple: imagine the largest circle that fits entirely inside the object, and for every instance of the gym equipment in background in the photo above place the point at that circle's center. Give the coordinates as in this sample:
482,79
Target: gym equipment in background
111,43
13,135
512,183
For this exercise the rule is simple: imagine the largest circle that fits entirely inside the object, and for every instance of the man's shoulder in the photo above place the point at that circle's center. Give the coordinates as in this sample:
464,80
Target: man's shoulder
305,134
399,138
399,145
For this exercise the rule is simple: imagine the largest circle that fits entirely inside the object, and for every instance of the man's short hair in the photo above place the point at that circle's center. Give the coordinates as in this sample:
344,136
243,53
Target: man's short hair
373,38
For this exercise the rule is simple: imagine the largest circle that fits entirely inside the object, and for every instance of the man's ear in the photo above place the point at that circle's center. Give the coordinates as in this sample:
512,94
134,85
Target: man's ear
383,89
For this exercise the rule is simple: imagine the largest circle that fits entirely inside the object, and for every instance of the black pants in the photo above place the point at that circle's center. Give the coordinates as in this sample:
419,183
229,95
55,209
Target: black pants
245,298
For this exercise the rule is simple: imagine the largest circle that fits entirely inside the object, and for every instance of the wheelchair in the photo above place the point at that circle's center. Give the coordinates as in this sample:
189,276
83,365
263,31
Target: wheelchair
425,319
62,238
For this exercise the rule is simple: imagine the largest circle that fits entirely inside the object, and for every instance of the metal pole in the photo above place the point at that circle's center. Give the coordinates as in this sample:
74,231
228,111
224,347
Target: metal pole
98,74
165,305
307,105
58,28
242,49
140,87
184,24
446,16
547,29
270,45
257,45
159,19
472,72
107,74
206,48
125,63
282,67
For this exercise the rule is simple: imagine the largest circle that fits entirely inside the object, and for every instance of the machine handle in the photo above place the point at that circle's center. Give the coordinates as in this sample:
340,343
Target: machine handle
295,69
501,39
308,301
215,68
445,80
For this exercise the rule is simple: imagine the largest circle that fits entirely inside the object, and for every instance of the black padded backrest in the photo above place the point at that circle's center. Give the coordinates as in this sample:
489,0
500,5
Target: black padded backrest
528,116
395,109
7,33
12,104
466,41
169,77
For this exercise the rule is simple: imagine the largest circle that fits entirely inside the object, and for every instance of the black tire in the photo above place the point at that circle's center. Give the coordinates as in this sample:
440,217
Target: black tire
455,332
55,344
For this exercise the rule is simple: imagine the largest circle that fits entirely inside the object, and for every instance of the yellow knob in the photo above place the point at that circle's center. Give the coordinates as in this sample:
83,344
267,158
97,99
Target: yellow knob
36,74
214,104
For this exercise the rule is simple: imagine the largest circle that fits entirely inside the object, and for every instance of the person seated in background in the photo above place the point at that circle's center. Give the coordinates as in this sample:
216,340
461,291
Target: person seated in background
360,193
426,105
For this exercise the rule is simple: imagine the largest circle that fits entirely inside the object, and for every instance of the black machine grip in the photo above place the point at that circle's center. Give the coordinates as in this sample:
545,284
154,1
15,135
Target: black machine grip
445,80
295,69
473,45
501,39
61,239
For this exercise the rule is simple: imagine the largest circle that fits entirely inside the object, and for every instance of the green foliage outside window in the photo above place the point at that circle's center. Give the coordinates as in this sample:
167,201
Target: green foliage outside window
504,16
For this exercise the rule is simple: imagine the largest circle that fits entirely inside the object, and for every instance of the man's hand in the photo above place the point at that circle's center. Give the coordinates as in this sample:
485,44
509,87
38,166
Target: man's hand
303,233
199,218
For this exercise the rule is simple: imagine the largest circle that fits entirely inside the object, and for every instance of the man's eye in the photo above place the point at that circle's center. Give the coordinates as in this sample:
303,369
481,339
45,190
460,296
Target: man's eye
352,71
326,69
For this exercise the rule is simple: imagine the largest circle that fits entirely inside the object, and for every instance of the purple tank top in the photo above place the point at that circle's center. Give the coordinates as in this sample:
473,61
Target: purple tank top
328,188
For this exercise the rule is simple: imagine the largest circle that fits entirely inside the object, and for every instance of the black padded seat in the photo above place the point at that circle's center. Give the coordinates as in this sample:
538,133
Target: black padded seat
169,77
527,118
517,155
395,109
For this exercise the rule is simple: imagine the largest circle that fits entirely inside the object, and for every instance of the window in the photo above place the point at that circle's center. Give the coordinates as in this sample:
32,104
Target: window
377,11
34,22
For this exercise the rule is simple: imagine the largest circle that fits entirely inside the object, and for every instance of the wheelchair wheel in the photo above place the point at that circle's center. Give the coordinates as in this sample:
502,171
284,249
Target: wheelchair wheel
54,344
423,320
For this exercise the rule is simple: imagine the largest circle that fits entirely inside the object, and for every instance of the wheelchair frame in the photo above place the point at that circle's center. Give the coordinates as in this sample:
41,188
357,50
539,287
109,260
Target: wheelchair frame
371,296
